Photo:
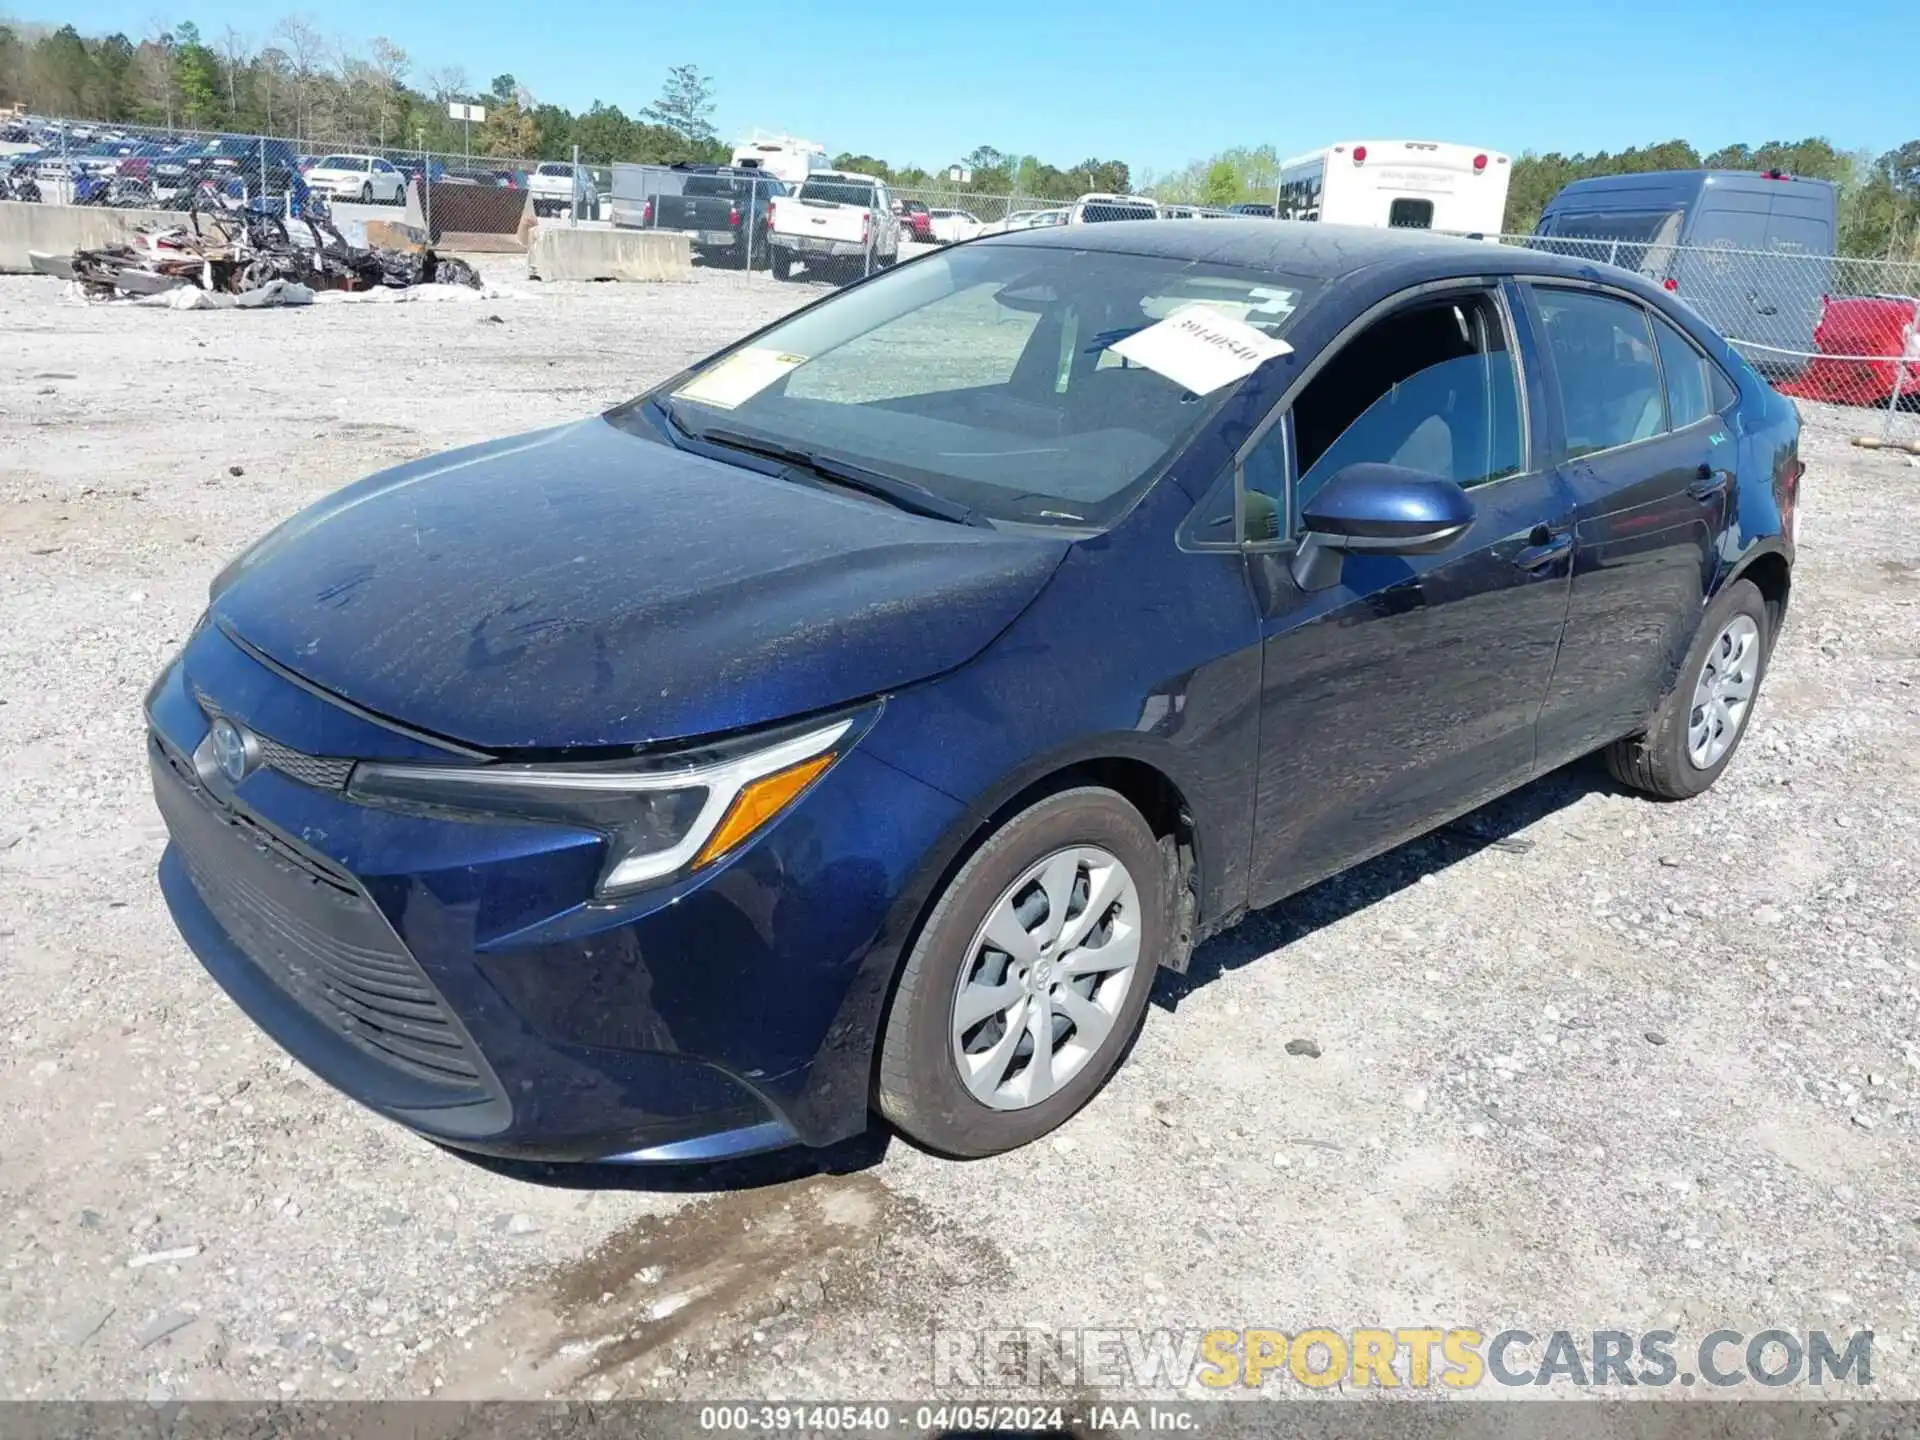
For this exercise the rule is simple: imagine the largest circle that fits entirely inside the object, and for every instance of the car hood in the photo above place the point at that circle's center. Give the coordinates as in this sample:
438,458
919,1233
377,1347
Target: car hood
585,587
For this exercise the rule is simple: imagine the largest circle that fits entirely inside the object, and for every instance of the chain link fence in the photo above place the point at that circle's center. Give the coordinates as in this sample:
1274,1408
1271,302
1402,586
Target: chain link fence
460,196
1830,329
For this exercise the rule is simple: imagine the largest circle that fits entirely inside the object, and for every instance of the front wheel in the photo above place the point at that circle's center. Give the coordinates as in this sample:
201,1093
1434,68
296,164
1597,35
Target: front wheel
1702,718
366,193
1029,978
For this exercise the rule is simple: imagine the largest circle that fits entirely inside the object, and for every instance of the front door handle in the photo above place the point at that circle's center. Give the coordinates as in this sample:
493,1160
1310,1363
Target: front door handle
1707,482
1546,548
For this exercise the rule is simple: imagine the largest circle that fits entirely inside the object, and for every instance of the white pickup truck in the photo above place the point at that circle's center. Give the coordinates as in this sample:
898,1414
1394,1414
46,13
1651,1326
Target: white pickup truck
559,188
834,221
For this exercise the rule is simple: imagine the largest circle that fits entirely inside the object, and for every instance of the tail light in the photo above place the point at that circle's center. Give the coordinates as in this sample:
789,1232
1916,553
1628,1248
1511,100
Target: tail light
770,205
733,216
1479,163
866,227
1359,154
646,213
1670,283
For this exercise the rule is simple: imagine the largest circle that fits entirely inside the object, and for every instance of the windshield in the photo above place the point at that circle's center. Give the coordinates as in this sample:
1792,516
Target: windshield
737,186
990,376
839,192
341,162
1633,240
556,169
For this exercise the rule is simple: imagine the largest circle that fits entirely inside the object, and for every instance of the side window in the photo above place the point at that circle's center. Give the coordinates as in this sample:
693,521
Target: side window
1688,389
1609,380
1432,387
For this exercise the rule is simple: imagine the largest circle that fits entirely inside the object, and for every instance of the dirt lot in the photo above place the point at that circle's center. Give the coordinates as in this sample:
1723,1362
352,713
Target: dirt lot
1584,1061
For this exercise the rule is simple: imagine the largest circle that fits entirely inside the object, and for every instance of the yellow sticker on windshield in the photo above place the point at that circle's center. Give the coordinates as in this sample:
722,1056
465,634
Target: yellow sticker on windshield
738,378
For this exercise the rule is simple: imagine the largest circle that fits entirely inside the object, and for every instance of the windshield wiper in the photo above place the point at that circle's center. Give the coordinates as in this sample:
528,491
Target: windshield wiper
901,493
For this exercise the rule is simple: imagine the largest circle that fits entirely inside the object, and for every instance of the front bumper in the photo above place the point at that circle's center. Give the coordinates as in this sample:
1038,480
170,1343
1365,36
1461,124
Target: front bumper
450,975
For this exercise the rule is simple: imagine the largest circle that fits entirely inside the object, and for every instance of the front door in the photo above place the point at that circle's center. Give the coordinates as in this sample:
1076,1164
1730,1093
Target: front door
1650,490
1407,693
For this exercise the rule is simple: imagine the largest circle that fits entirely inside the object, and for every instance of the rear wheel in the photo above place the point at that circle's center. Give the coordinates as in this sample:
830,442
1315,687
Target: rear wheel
1702,718
1029,978
782,265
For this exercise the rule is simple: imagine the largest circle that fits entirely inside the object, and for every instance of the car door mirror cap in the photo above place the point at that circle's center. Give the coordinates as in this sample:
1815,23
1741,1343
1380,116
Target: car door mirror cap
1377,509
1387,508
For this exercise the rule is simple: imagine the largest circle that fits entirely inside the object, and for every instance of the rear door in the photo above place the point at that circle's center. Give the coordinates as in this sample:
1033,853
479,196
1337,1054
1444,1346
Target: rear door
1800,232
1650,468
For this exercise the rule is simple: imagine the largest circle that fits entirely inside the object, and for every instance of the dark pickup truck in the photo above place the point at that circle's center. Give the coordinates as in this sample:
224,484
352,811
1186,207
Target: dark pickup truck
720,208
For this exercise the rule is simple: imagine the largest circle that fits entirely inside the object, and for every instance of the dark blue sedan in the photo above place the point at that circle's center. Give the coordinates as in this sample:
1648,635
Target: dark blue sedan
853,723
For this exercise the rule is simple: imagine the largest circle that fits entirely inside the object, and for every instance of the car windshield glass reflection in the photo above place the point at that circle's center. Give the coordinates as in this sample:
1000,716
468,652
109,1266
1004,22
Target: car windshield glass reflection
989,376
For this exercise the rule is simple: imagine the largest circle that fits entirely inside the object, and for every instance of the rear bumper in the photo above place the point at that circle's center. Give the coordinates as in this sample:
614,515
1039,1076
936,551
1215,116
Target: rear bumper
815,247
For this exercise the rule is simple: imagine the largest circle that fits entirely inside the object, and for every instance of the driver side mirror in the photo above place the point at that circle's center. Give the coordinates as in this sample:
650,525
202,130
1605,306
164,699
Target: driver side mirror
1378,509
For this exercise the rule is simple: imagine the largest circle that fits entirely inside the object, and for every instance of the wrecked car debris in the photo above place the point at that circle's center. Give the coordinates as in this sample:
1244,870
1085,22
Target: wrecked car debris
240,251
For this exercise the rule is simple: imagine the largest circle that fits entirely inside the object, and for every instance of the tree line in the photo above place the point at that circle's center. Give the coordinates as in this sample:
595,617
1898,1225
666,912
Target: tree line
292,81
988,171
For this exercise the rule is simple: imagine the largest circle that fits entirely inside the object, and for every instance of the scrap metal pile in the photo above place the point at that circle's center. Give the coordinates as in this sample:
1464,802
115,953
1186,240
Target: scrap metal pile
238,252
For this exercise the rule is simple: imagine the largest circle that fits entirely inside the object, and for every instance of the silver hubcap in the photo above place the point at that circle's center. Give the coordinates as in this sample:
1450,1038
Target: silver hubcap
1045,977
1724,693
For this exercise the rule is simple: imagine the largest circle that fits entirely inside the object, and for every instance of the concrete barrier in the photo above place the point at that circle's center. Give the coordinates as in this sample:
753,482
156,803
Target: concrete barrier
562,253
62,229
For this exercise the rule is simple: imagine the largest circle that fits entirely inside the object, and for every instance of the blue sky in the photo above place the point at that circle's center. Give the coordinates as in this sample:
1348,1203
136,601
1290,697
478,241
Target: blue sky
1158,84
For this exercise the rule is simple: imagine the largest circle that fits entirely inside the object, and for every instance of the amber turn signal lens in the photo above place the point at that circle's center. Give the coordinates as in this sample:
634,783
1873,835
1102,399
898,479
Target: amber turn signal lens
758,803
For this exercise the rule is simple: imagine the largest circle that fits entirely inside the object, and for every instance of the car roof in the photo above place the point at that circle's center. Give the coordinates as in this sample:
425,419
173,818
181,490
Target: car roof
1310,250
1677,184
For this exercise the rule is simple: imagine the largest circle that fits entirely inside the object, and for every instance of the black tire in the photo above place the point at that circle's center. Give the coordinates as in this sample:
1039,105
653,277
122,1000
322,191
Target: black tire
366,193
1657,761
919,1086
781,265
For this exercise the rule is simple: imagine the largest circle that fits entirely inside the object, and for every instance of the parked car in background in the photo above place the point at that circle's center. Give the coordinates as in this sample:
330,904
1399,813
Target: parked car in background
1026,220
1193,212
916,223
259,169
950,227
835,221
561,188
722,209
1749,251
731,768
1252,207
368,179
1097,208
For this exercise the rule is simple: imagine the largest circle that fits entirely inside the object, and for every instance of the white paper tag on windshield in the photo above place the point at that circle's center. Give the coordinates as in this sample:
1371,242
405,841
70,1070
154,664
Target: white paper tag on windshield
738,378
1200,349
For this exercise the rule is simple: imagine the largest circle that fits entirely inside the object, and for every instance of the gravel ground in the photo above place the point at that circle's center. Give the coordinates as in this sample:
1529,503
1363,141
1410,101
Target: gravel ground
1582,1061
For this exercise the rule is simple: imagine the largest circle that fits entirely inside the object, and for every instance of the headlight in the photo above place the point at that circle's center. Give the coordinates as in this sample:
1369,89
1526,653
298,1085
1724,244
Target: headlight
658,818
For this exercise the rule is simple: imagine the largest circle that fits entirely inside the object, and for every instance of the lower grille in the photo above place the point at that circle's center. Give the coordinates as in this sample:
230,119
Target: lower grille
316,936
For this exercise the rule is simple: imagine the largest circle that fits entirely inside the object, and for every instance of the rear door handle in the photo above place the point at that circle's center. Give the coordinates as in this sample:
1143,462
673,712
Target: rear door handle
1707,483
1547,548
